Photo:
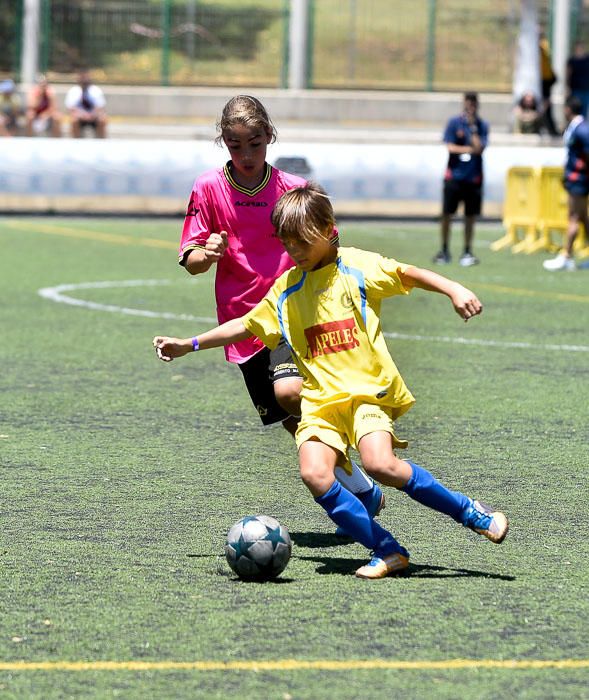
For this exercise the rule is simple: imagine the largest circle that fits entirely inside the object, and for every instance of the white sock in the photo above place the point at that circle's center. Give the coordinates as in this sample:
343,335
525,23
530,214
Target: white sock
356,482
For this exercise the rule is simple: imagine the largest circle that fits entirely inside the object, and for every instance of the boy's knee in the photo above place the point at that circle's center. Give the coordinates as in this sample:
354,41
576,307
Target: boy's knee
288,395
312,477
389,470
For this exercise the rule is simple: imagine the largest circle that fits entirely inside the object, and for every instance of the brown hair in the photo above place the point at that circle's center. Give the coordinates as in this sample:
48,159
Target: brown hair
303,214
248,111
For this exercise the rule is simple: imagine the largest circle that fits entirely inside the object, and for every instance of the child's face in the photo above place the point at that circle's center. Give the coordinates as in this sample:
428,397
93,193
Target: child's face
310,256
247,147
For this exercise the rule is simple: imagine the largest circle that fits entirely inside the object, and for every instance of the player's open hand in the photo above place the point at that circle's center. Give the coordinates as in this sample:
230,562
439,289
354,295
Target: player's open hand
216,246
168,348
466,303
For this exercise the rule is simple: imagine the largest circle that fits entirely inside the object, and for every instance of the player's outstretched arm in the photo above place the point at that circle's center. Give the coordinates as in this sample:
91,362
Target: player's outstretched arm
168,348
466,304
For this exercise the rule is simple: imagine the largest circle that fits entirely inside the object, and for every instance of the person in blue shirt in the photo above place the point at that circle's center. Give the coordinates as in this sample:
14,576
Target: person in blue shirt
466,138
576,181
577,76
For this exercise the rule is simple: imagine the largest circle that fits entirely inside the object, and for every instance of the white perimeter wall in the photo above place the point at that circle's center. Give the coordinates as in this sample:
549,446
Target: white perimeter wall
151,176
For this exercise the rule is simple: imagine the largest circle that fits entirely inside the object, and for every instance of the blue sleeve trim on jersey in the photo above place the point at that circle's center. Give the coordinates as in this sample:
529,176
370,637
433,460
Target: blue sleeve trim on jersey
359,277
282,300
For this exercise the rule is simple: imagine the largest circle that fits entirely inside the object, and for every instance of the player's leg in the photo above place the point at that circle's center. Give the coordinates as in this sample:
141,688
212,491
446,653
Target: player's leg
577,214
472,196
287,383
56,125
583,219
30,118
100,127
449,208
317,464
76,128
261,390
381,462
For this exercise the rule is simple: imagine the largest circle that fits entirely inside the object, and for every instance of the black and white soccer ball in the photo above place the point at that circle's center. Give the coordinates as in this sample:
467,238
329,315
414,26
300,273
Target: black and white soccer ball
258,548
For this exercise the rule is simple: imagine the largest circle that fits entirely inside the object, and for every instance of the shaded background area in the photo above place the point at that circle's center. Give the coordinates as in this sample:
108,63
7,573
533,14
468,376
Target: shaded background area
356,44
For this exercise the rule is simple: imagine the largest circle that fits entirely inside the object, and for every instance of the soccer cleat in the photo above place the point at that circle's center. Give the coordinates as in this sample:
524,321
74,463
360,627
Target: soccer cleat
468,259
379,567
560,262
377,503
488,522
442,258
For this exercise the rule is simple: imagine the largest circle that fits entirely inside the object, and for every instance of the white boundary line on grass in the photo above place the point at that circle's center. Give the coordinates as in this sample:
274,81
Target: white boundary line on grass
57,294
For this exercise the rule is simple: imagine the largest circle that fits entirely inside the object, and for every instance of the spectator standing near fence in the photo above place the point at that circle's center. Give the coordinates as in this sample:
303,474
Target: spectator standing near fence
42,113
11,109
548,77
466,137
86,105
577,77
576,181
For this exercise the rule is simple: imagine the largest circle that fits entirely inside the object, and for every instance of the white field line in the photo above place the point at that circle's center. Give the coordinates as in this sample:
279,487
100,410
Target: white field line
57,294
488,343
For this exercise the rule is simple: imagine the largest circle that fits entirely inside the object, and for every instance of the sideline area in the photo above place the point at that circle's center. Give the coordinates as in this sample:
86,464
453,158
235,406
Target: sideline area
378,154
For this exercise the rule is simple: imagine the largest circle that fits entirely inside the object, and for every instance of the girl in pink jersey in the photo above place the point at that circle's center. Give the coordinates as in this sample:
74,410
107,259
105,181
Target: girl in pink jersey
228,224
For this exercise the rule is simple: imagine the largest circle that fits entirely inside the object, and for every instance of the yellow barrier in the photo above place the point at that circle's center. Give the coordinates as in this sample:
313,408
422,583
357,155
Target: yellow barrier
554,212
536,201
521,208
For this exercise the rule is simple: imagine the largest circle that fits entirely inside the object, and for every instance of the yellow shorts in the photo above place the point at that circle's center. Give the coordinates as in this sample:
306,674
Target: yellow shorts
343,425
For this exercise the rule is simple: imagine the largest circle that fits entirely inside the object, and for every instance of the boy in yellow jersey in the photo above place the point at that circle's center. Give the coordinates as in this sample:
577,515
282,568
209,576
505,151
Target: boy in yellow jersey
327,309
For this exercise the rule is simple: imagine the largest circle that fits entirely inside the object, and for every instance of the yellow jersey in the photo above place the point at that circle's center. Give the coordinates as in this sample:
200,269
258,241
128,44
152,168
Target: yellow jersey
330,318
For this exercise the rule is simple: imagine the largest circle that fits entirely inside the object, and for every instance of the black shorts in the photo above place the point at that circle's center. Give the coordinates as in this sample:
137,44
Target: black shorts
468,192
260,372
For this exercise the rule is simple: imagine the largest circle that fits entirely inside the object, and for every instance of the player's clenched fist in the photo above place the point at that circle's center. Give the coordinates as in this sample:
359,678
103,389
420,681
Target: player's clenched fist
216,245
466,302
169,348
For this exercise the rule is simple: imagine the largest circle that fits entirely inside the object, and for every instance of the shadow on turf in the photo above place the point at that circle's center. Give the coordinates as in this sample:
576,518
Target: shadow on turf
331,565
319,540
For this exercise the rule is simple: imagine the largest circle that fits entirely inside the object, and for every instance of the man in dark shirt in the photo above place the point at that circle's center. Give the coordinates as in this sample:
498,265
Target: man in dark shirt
466,137
578,76
576,182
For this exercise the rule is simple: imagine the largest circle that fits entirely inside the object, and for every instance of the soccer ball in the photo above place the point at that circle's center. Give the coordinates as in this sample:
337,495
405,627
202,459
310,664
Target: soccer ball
258,547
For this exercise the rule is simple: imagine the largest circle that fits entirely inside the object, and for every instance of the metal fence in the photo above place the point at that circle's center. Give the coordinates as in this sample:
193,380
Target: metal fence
383,44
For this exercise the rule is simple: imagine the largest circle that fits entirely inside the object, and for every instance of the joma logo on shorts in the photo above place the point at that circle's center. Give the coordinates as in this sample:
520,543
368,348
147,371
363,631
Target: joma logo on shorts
332,337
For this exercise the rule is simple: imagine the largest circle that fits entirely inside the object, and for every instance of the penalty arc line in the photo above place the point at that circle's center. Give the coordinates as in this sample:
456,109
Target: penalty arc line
57,294
297,665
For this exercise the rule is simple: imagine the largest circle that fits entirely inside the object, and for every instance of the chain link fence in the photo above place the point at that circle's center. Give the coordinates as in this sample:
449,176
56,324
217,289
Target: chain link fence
354,44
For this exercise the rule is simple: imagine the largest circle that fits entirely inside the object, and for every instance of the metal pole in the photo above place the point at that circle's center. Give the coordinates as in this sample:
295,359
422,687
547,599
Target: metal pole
166,25
30,41
298,43
310,43
431,45
191,21
45,49
352,41
285,44
526,76
561,45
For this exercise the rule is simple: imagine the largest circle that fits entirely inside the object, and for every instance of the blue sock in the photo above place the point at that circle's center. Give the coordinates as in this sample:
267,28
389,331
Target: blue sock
425,489
371,499
347,511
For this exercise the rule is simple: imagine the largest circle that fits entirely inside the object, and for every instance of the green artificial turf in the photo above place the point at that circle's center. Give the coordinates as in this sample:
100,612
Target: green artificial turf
121,475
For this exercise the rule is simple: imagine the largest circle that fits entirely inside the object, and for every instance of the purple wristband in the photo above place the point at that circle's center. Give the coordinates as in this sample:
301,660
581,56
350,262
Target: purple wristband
195,344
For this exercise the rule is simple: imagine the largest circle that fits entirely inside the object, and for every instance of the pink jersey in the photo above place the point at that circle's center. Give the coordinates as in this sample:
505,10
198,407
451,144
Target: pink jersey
255,258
